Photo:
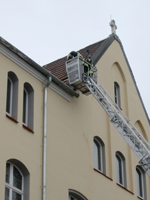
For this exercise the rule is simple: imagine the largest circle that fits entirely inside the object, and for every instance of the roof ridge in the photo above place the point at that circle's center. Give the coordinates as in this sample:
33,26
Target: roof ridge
100,46
77,51
92,44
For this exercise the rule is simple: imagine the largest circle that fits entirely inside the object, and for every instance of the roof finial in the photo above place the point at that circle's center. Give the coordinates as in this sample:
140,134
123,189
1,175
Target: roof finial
113,26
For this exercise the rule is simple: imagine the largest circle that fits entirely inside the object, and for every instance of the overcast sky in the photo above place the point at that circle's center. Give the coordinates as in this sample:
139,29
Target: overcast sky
47,30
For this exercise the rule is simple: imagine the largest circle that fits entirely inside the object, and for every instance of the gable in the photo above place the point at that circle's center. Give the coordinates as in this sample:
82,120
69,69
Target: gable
113,62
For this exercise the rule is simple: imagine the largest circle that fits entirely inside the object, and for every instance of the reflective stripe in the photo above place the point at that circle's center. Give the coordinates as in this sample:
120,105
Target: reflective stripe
89,72
85,64
80,55
70,55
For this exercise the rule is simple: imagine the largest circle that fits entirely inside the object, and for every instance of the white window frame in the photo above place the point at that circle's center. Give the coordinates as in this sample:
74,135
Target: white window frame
117,94
26,106
72,198
10,99
142,183
75,195
99,155
29,120
120,160
10,184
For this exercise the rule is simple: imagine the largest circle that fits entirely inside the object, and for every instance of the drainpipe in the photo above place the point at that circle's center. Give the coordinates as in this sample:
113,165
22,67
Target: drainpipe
45,136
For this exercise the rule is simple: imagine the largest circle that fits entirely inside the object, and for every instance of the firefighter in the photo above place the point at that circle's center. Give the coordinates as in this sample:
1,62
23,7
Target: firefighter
73,54
87,66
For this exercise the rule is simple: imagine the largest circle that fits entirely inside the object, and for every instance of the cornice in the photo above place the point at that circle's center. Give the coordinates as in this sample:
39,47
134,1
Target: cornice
24,65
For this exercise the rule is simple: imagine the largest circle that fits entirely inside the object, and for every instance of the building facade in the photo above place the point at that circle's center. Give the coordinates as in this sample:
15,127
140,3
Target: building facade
86,157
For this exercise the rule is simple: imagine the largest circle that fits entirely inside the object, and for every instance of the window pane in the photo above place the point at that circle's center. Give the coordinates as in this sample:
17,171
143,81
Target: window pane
117,93
6,193
17,179
97,158
24,106
7,172
8,96
119,170
140,183
16,196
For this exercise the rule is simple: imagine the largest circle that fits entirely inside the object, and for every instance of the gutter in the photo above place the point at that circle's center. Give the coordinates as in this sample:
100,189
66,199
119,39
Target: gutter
45,137
38,67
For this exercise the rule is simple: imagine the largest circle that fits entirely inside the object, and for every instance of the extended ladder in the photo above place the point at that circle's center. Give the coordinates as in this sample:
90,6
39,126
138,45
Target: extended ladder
125,127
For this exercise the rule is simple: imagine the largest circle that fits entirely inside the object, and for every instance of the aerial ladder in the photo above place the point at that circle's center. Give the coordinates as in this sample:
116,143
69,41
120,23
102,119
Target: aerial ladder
88,85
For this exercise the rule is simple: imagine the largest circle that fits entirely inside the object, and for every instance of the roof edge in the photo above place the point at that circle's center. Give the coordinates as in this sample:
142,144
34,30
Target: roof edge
99,53
37,67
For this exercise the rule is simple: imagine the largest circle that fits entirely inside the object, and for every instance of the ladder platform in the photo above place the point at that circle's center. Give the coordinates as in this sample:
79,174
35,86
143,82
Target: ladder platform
75,72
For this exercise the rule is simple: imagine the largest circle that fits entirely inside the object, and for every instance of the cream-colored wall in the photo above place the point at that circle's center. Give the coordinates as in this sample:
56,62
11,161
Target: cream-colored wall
72,126
17,142
71,129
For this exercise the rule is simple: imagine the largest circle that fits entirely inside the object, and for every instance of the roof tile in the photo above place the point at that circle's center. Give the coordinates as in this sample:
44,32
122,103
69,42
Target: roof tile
58,68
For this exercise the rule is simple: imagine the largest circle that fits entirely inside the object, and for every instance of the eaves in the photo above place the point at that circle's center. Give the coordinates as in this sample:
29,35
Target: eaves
37,67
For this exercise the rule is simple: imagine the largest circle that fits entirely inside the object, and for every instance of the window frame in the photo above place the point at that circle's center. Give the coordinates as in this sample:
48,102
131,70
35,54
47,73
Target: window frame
75,195
99,155
10,185
121,169
28,111
117,94
12,96
25,110
143,182
9,101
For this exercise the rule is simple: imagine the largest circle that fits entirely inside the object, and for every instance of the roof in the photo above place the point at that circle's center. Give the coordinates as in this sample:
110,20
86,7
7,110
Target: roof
58,67
37,67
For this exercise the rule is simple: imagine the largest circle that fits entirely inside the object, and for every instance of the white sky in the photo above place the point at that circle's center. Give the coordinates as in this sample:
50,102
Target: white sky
47,30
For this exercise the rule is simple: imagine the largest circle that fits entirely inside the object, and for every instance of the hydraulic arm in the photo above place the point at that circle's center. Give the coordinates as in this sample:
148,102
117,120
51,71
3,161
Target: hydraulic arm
124,126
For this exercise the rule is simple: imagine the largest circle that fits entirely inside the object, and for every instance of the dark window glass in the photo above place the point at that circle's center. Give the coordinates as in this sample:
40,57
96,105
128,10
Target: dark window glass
120,170
16,196
24,107
117,93
8,96
97,151
17,179
140,181
6,193
7,172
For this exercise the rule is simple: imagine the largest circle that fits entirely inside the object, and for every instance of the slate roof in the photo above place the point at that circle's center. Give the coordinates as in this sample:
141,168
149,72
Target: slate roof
58,68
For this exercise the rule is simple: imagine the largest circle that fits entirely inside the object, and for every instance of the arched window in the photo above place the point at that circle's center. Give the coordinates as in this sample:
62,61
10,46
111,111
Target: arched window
99,155
28,105
121,169
12,95
16,181
74,195
141,182
117,94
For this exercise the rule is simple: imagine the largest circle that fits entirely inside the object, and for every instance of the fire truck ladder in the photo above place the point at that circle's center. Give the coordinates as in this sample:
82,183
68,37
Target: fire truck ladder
125,127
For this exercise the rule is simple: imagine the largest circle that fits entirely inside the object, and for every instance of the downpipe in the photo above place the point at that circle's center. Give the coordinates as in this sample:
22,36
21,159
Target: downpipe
45,137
